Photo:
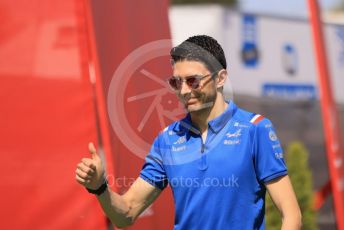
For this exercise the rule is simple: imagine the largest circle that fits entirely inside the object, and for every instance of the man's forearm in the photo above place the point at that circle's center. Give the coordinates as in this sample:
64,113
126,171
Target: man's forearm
292,222
115,208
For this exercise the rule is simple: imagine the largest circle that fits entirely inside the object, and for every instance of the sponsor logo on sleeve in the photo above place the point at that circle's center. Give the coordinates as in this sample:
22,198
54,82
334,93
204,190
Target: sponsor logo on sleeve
268,126
272,136
279,155
276,146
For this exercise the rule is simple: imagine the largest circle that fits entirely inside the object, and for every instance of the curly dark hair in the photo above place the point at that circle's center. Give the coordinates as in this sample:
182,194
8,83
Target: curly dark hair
201,48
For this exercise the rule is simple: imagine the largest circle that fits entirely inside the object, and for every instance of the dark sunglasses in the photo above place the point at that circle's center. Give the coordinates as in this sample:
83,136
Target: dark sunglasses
192,81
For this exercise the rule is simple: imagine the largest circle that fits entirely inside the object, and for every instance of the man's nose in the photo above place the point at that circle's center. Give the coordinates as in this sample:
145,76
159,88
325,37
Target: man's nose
185,89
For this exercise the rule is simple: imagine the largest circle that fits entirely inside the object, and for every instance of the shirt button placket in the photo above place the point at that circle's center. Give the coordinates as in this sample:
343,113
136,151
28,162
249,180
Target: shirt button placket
203,165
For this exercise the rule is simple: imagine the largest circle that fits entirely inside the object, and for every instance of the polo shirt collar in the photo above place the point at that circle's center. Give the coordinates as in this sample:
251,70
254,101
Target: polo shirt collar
215,125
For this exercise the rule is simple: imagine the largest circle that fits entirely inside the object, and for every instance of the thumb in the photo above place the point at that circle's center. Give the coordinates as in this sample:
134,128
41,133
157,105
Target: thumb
92,150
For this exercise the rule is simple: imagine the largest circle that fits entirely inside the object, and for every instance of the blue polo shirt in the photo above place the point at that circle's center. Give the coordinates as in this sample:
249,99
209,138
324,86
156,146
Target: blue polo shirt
217,183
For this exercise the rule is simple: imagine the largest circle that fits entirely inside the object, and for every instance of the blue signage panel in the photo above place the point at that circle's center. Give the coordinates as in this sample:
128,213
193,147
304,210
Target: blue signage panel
290,91
249,50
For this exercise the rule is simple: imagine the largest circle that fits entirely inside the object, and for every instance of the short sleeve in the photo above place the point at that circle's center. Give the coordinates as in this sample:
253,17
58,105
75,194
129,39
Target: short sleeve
269,160
153,170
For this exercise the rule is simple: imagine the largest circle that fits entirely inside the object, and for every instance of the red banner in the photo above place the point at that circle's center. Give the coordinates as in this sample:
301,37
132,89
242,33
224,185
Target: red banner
50,109
47,116
132,45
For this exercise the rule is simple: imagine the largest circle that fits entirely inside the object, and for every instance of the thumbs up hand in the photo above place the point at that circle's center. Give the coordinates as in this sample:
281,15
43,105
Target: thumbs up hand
90,172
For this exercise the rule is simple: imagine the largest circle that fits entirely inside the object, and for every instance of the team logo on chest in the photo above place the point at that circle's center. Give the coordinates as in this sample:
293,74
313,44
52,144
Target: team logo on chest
179,148
178,142
232,138
235,134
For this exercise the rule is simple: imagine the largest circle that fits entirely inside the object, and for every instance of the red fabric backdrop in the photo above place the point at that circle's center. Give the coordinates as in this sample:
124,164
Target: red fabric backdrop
47,116
121,28
50,110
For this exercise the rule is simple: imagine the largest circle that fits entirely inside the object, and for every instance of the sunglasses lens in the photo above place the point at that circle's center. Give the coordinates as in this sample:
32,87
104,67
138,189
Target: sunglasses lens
193,82
174,83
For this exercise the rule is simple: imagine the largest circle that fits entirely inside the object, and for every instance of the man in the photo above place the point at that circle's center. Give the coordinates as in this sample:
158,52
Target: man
219,160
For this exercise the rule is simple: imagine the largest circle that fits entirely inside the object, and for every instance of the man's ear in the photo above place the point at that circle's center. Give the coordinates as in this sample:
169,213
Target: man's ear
221,78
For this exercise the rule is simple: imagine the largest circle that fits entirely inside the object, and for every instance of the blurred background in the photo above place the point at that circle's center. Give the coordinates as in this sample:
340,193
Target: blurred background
84,70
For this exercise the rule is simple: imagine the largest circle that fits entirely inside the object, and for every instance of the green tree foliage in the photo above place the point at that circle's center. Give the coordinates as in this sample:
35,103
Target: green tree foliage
301,178
224,2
